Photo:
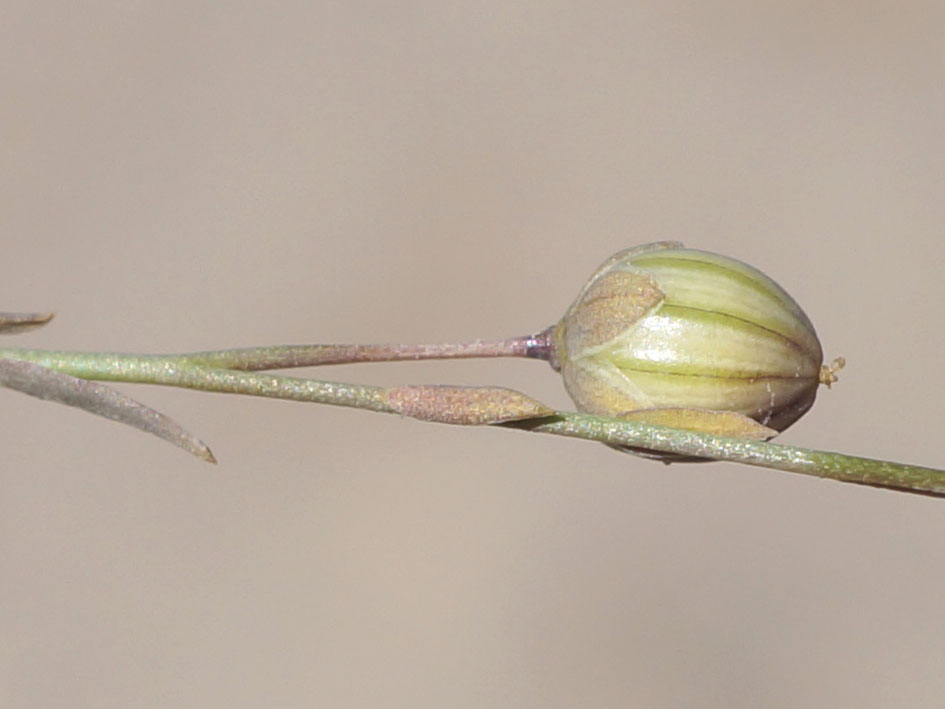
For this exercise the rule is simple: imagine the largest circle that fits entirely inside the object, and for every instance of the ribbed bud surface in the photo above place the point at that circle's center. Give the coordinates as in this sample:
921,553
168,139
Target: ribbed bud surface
663,326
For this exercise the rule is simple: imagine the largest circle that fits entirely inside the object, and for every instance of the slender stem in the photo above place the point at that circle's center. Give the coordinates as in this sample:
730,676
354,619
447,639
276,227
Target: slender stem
168,371
252,359
151,369
824,464
290,356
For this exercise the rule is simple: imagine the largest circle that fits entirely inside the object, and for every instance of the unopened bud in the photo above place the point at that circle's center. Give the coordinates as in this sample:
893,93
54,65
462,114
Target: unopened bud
689,334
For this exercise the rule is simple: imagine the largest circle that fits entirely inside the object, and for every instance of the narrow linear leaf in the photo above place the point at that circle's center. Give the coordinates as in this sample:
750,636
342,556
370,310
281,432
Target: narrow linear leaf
13,323
99,399
465,405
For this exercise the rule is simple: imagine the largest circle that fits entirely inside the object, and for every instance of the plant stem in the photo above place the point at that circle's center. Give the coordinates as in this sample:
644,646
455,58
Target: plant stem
776,456
181,371
291,356
178,371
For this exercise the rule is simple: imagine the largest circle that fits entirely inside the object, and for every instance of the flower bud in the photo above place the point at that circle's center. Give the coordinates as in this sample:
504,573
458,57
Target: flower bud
689,338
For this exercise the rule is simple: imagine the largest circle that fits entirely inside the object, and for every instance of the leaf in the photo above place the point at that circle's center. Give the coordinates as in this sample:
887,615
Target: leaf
465,405
13,323
99,399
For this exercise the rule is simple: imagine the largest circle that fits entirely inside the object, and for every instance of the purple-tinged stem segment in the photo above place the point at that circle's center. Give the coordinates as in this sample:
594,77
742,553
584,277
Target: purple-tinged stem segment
291,356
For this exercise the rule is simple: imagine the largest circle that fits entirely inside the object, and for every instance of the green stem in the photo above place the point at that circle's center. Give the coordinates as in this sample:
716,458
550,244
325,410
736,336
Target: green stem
183,371
173,370
792,459
291,356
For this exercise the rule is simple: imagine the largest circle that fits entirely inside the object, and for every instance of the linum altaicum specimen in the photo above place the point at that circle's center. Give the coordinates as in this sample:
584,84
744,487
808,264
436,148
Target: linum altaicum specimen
668,352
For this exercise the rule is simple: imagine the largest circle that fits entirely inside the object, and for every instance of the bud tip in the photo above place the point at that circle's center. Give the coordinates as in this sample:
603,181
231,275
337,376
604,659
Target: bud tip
828,373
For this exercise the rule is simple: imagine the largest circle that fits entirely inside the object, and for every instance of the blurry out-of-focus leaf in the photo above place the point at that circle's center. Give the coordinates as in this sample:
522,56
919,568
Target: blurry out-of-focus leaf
13,323
96,398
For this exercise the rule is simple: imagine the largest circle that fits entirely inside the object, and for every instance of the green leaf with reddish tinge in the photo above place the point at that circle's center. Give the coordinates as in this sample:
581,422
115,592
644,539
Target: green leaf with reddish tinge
465,405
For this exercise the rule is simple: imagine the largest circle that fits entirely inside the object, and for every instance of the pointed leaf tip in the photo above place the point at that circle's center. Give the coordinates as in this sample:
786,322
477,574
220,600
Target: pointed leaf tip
13,323
99,399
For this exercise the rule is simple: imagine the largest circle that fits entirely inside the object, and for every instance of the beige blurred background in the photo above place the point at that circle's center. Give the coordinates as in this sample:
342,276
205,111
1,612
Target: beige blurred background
179,176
